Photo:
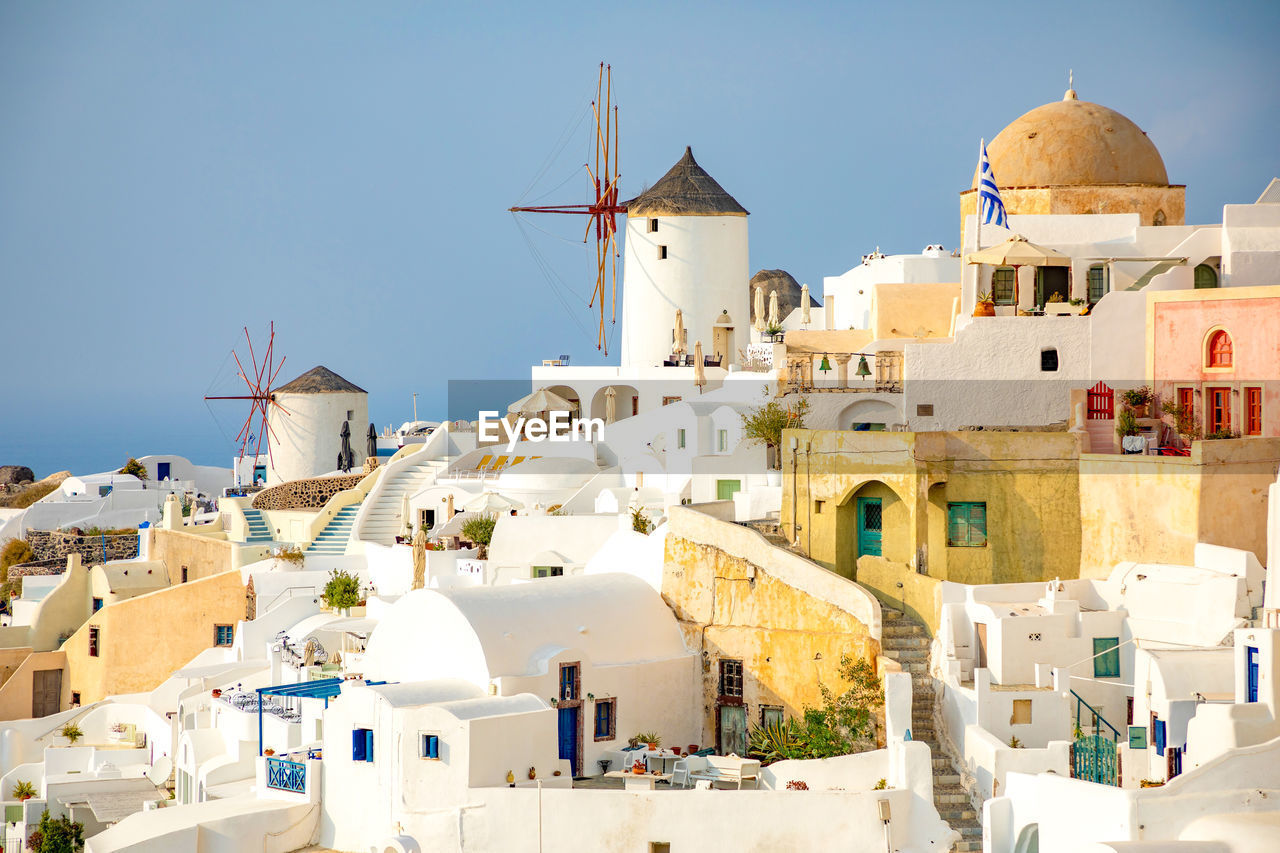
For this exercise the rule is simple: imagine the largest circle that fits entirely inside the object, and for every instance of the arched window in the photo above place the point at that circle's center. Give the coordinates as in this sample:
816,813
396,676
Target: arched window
1158,219
1206,276
1219,350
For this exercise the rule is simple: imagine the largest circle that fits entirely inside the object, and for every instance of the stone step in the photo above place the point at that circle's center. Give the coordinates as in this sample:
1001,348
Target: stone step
905,655
941,763
954,816
946,778
967,846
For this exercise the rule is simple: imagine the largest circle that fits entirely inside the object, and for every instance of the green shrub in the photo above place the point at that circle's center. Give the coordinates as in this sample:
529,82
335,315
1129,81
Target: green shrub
479,529
22,790
134,467
1126,423
56,835
640,523
764,424
342,590
15,552
71,732
841,725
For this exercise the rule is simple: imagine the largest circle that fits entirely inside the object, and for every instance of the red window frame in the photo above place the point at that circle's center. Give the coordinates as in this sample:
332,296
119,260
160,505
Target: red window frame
1187,402
1220,350
1219,409
1253,411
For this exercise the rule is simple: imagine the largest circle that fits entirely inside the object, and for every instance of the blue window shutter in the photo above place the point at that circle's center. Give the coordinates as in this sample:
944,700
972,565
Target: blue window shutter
368,744
358,745
433,746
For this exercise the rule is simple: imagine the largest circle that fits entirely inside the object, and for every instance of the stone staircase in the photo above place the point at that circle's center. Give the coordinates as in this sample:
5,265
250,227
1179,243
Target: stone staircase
380,520
333,539
258,529
905,640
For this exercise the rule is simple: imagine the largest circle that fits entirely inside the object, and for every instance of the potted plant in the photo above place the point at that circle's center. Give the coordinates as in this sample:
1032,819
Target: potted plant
985,306
23,790
1184,421
71,732
773,333
1138,399
650,738
118,731
638,768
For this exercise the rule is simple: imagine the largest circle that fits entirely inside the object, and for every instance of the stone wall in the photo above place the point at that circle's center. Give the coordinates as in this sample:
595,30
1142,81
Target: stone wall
38,567
313,493
787,619
56,545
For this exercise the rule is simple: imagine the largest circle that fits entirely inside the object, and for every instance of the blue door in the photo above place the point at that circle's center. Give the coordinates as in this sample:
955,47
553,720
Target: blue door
162,470
869,526
569,737
1251,694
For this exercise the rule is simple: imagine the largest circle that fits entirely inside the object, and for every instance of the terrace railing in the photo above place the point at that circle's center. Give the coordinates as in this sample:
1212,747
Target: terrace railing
285,775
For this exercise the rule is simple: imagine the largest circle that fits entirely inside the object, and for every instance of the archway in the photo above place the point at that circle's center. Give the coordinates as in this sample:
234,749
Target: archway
1028,839
872,520
626,402
570,394
874,415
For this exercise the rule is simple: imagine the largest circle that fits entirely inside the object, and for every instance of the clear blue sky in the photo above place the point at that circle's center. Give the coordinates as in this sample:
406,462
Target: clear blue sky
170,172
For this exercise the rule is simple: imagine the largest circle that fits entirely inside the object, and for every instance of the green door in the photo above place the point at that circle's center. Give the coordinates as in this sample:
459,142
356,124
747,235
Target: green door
869,526
726,489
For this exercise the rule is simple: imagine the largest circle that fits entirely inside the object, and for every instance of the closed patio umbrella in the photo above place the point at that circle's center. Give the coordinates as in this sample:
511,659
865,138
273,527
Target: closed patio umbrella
804,304
699,371
420,558
773,309
759,309
372,443
611,405
406,516
346,459
677,346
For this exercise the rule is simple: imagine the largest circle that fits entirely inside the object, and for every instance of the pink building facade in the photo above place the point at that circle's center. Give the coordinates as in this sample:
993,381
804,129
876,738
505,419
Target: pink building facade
1217,353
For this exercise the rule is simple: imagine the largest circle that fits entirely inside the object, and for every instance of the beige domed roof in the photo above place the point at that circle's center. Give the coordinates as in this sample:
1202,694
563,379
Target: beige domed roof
1074,143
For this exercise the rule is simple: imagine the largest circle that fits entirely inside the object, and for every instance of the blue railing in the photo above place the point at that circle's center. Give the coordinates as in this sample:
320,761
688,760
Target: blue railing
285,775
1097,717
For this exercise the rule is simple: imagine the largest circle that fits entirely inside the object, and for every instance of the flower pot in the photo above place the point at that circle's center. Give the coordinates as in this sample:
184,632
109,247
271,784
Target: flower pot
216,693
639,771
653,745
984,309
691,748
773,477
1141,411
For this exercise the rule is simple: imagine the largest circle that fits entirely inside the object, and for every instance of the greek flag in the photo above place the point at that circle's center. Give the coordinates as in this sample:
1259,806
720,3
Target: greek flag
990,206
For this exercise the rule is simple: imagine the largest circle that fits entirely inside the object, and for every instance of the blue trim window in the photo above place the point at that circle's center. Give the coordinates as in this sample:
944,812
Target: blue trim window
967,524
1158,735
431,746
224,635
1106,657
606,719
362,745
1251,674
97,605
568,682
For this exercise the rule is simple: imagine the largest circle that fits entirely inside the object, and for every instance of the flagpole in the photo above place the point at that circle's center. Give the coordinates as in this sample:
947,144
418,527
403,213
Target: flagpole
977,210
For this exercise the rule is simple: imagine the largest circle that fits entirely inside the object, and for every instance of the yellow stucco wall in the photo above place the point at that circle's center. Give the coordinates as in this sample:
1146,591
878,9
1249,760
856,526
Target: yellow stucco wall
789,632
143,640
15,695
203,556
1029,482
913,310
1155,508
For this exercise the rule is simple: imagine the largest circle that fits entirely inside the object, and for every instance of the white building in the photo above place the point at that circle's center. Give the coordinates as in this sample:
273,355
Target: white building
848,297
305,423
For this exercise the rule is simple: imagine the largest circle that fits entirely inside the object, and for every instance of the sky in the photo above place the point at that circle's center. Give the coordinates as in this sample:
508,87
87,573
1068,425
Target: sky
173,172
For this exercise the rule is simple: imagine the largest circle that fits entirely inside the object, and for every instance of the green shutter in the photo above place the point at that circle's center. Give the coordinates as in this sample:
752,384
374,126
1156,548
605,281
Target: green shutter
1106,661
966,524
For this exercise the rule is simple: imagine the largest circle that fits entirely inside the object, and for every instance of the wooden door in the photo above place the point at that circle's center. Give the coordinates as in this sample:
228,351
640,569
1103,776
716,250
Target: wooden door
569,737
870,526
732,736
46,692
1219,409
722,337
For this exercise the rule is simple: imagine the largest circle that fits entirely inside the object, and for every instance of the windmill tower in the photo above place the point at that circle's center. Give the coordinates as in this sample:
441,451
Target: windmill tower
304,437
686,249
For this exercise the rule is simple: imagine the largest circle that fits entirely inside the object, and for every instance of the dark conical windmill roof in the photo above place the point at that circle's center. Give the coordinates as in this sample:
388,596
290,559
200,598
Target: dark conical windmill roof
320,380
686,190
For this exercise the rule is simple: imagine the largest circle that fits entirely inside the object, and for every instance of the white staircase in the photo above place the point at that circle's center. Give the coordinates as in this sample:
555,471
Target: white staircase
379,518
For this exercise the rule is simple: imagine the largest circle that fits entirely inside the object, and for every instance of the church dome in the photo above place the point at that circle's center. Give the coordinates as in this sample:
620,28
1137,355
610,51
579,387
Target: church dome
1074,143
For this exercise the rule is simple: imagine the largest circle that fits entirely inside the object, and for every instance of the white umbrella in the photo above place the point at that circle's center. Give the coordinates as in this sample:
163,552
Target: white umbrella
804,304
699,372
611,404
677,347
759,309
773,309
491,502
406,517
420,558
1019,252
538,402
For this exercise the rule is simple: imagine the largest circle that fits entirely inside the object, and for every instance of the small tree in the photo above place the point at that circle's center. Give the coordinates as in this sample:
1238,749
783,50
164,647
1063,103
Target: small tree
764,425
342,590
479,529
134,467
56,835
